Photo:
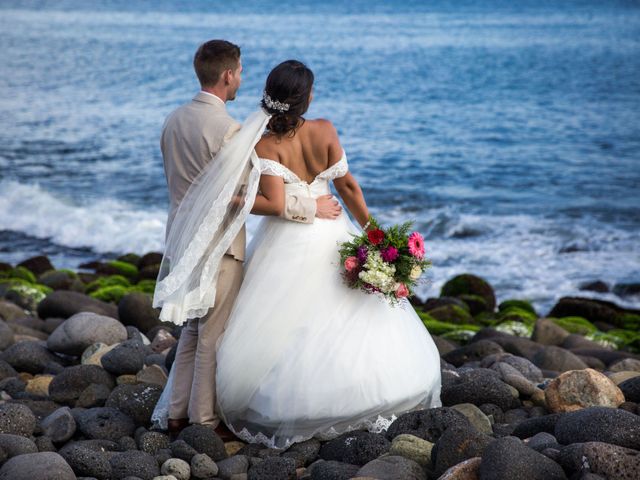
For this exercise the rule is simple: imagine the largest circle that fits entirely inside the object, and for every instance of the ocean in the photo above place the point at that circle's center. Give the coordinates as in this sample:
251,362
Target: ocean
509,131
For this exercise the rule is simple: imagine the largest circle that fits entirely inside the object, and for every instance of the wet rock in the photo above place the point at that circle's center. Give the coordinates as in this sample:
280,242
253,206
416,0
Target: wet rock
126,358
273,468
181,449
392,467
427,424
203,467
599,424
14,445
41,466
547,332
65,303
357,447
468,284
137,401
476,417
631,389
508,458
526,368
472,352
67,386
6,370
204,440
521,347
531,426
611,461
136,309
456,445
478,386
541,441
17,419
95,395
180,469
232,466
306,451
577,389
332,470
104,423
59,426
84,329
625,365
153,374
29,356
152,442
557,359
135,464
467,470
592,310
413,448
6,335
86,461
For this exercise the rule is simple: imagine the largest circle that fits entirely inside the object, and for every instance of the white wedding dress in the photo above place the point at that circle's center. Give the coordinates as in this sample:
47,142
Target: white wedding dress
303,355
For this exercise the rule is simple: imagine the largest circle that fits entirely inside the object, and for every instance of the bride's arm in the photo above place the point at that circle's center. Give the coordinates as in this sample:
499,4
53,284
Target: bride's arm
347,186
270,200
351,194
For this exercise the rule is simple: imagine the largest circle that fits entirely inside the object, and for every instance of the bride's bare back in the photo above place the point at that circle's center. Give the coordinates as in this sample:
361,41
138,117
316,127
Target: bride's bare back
314,148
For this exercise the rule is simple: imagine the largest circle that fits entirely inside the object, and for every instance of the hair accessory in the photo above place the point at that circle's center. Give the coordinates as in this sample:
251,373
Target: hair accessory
274,104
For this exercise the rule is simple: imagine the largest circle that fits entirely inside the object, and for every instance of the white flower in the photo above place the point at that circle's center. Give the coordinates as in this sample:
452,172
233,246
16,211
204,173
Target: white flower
378,273
416,271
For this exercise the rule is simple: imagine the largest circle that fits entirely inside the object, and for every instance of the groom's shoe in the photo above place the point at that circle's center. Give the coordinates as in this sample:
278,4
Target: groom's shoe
224,433
176,425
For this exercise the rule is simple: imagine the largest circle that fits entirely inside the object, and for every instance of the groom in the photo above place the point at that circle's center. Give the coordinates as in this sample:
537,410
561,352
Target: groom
191,137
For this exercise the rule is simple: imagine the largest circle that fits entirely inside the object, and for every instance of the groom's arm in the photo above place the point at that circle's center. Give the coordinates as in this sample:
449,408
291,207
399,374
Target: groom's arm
299,209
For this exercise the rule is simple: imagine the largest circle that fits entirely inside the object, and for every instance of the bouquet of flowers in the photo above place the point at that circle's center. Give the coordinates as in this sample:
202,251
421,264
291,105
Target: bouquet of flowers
388,261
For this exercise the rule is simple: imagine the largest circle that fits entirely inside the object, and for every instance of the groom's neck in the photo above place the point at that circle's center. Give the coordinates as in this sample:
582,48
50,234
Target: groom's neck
218,91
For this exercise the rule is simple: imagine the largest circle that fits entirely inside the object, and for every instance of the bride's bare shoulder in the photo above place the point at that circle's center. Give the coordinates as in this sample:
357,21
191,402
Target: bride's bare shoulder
326,134
323,127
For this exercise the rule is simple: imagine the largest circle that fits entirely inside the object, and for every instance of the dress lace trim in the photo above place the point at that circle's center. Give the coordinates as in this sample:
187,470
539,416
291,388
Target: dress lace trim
271,167
380,424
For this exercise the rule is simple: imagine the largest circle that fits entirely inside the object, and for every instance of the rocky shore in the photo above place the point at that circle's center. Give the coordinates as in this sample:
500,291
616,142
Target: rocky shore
83,360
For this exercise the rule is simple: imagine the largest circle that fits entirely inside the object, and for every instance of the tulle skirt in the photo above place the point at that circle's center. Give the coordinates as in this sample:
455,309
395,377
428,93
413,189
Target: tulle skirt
305,356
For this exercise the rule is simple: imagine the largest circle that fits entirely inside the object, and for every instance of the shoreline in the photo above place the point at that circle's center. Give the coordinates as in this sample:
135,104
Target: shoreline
84,359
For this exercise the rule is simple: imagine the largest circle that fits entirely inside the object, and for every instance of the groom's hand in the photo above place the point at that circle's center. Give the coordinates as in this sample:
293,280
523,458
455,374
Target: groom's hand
327,207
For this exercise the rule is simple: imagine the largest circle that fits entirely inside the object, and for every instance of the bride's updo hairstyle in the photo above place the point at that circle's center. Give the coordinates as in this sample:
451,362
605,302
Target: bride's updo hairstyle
288,83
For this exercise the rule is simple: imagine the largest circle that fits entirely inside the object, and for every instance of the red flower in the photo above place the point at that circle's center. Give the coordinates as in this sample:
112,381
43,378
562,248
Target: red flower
375,236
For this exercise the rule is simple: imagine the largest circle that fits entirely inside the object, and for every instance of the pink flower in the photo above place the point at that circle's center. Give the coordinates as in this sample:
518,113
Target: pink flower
351,263
402,291
389,254
416,245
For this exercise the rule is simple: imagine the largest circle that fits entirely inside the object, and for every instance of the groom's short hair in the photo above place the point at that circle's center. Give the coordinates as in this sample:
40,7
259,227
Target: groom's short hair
214,57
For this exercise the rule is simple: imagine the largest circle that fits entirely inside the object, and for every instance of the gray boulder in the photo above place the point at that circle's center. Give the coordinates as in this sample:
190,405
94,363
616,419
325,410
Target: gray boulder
41,466
83,329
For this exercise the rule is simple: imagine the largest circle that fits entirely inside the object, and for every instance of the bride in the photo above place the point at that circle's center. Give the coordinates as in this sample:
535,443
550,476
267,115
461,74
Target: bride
303,355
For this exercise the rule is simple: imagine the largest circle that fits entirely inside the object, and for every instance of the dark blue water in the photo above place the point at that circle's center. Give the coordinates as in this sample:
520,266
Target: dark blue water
510,131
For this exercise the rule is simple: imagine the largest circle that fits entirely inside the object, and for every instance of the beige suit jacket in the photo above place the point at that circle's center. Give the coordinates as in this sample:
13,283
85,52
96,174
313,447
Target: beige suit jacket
191,137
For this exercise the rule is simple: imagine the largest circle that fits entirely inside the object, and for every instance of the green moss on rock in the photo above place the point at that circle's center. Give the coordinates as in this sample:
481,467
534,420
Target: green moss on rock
124,268
109,281
517,314
514,302
476,303
22,273
111,293
515,327
578,325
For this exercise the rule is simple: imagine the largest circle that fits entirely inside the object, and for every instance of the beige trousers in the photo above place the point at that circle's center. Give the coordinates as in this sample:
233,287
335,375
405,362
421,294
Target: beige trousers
194,384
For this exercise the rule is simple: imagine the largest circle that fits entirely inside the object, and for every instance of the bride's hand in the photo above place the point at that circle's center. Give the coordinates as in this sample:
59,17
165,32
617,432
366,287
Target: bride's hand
328,207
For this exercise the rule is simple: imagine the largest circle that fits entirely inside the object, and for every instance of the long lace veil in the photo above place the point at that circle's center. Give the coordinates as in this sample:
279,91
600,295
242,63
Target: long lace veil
208,219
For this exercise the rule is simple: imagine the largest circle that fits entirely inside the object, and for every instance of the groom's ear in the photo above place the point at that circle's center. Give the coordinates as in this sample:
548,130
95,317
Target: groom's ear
226,76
